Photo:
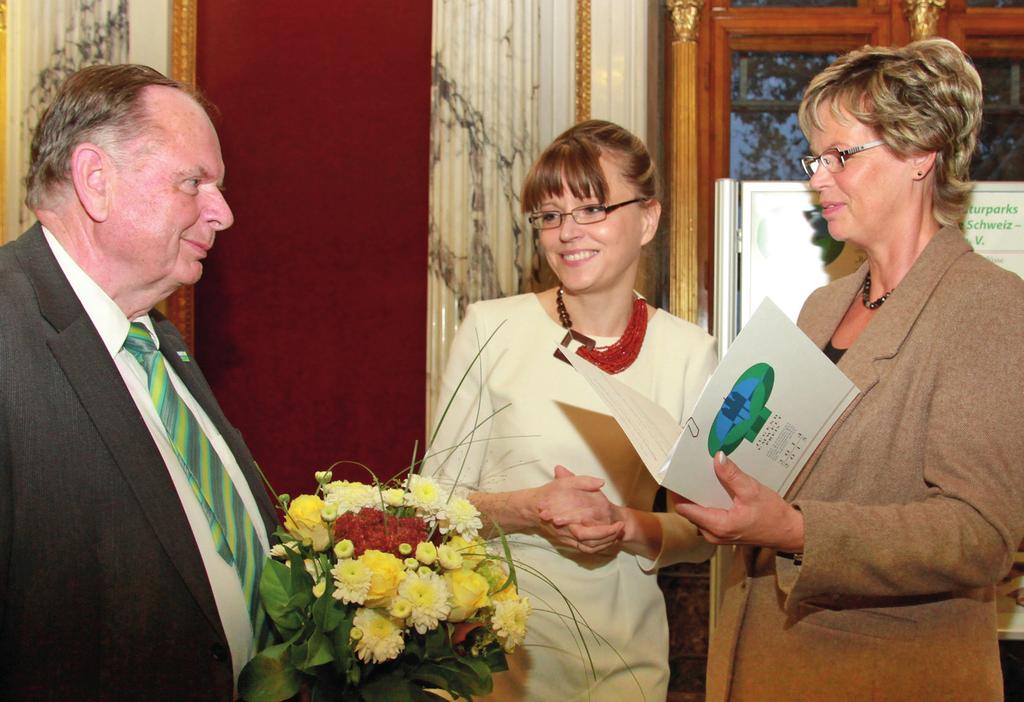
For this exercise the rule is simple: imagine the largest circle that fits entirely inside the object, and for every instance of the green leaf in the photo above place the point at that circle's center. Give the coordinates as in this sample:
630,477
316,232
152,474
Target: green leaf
315,651
390,688
441,675
269,676
328,688
344,656
276,595
473,677
496,660
300,583
437,645
328,612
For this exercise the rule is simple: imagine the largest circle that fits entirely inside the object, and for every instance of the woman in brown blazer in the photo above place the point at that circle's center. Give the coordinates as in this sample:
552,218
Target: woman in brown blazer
873,579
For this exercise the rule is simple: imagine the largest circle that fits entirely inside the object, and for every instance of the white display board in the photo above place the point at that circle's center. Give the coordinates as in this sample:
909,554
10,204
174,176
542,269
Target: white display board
994,225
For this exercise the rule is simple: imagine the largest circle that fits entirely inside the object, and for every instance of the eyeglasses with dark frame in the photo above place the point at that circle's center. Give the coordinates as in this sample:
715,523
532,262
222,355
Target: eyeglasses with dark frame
585,214
833,159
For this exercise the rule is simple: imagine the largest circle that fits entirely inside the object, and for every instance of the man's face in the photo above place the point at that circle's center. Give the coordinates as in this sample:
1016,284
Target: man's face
166,205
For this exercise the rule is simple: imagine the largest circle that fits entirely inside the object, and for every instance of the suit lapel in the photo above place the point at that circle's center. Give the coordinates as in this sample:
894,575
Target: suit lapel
866,360
78,349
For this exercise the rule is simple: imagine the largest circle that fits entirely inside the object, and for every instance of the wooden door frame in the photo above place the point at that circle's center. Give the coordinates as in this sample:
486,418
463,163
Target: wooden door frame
721,29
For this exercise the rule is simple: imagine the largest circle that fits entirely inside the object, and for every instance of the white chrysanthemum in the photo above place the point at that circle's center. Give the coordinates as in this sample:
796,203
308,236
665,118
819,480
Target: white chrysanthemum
460,516
313,568
509,621
347,496
448,557
394,497
280,551
351,581
428,595
425,495
382,636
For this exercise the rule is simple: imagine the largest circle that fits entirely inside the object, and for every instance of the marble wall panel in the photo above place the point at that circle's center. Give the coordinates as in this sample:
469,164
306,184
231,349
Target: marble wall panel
49,41
483,139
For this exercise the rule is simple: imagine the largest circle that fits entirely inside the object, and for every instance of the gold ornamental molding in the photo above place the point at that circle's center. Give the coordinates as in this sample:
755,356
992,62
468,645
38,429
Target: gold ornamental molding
180,306
3,120
683,278
582,60
183,41
924,17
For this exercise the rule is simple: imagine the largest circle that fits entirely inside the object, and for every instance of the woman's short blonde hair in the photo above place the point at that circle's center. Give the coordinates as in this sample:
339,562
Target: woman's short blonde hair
573,160
919,98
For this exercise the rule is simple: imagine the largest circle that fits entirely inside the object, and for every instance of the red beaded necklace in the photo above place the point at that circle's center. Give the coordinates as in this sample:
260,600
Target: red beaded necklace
616,357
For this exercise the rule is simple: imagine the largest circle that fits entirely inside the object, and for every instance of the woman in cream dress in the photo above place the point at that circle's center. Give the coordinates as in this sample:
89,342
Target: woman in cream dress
551,468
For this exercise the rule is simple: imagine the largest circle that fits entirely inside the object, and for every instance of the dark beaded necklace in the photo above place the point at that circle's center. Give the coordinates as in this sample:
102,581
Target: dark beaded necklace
865,295
616,357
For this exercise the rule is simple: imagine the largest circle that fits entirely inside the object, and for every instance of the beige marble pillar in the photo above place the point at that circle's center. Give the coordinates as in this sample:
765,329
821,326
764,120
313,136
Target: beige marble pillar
482,139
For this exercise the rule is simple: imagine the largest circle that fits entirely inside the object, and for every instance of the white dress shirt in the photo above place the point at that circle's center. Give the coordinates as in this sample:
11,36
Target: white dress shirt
112,325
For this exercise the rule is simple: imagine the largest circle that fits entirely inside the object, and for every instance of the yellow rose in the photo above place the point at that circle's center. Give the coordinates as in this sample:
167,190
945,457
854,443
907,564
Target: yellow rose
496,572
469,593
304,522
472,552
508,594
387,573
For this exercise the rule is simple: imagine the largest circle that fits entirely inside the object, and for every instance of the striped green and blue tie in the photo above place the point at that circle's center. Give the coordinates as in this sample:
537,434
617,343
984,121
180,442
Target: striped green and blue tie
233,533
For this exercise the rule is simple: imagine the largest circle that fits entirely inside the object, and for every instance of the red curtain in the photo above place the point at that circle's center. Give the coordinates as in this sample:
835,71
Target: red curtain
311,315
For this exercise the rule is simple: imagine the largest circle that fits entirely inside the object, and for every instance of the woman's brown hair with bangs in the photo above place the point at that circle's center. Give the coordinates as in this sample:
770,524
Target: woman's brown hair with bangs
919,98
573,160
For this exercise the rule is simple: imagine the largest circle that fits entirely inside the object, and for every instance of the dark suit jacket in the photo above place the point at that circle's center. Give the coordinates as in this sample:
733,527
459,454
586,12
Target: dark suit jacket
103,593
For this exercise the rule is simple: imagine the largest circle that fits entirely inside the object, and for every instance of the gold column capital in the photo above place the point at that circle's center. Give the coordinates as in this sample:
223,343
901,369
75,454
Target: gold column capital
685,19
924,17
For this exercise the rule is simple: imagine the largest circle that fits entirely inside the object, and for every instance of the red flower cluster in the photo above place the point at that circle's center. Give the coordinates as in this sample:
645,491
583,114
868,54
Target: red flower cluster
372,529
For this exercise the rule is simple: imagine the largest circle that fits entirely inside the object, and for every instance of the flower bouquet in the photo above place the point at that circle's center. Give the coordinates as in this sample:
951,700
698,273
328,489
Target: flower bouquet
384,592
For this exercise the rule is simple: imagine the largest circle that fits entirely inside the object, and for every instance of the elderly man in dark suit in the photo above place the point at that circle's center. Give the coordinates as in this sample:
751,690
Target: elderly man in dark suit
133,523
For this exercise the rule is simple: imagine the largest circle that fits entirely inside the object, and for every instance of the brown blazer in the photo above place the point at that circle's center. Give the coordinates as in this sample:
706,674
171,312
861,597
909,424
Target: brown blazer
913,504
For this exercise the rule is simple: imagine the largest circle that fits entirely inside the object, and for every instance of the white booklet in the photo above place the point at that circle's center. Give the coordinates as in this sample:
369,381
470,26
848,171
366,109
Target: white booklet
769,403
